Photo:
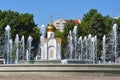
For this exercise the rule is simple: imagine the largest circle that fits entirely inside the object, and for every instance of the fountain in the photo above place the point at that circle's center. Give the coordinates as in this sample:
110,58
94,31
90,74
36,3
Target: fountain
89,55
41,46
93,50
27,56
70,46
23,47
40,49
104,49
29,44
75,41
16,60
84,56
42,43
80,48
17,50
7,45
86,49
115,41
11,47
83,49
112,45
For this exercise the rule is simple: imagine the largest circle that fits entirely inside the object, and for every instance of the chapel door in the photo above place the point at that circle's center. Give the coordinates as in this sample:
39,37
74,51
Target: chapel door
51,53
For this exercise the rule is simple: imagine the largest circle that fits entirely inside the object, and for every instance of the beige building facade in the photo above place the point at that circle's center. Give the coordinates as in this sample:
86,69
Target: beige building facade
60,23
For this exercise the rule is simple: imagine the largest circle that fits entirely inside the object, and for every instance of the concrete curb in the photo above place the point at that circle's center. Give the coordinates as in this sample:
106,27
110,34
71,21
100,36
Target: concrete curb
87,68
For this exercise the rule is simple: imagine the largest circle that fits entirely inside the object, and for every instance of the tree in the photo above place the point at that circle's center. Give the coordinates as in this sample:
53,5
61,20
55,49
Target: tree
22,24
94,23
108,21
69,25
58,34
118,33
118,23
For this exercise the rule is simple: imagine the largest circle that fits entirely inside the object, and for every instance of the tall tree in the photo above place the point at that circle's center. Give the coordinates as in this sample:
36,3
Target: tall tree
94,23
22,24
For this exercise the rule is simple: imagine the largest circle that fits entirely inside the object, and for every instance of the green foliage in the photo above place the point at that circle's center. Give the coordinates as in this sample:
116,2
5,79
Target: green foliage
63,35
68,26
108,21
58,34
93,23
118,23
22,24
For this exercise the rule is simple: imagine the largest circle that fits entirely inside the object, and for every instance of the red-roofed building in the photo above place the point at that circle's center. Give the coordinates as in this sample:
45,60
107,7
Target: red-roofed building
77,21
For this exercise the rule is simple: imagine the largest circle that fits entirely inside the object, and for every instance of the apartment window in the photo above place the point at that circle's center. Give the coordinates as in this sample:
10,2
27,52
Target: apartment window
57,23
58,27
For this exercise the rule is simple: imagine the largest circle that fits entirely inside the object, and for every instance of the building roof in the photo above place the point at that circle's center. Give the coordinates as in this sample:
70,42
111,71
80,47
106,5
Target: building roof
51,28
77,21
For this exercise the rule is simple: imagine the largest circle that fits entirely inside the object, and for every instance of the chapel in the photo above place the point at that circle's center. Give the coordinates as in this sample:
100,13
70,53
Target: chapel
50,46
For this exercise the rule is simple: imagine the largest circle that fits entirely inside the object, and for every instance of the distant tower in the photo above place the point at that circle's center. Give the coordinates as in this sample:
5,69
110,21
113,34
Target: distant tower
50,30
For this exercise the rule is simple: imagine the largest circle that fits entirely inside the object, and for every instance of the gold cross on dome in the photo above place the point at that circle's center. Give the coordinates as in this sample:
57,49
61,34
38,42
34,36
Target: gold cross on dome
50,19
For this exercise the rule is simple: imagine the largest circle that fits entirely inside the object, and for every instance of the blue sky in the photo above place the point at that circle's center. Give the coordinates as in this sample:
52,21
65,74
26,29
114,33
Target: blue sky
65,9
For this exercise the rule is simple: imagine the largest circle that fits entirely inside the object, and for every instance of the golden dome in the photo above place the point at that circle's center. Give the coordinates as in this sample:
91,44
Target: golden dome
51,28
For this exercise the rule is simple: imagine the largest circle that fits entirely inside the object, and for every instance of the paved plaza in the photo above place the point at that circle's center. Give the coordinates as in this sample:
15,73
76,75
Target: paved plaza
55,76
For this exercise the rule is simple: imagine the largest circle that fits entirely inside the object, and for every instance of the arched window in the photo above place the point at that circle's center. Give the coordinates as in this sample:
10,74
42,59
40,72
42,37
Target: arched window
51,35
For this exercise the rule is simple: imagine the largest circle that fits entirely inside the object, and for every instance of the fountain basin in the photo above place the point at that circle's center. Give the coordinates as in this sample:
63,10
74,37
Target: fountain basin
113,69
